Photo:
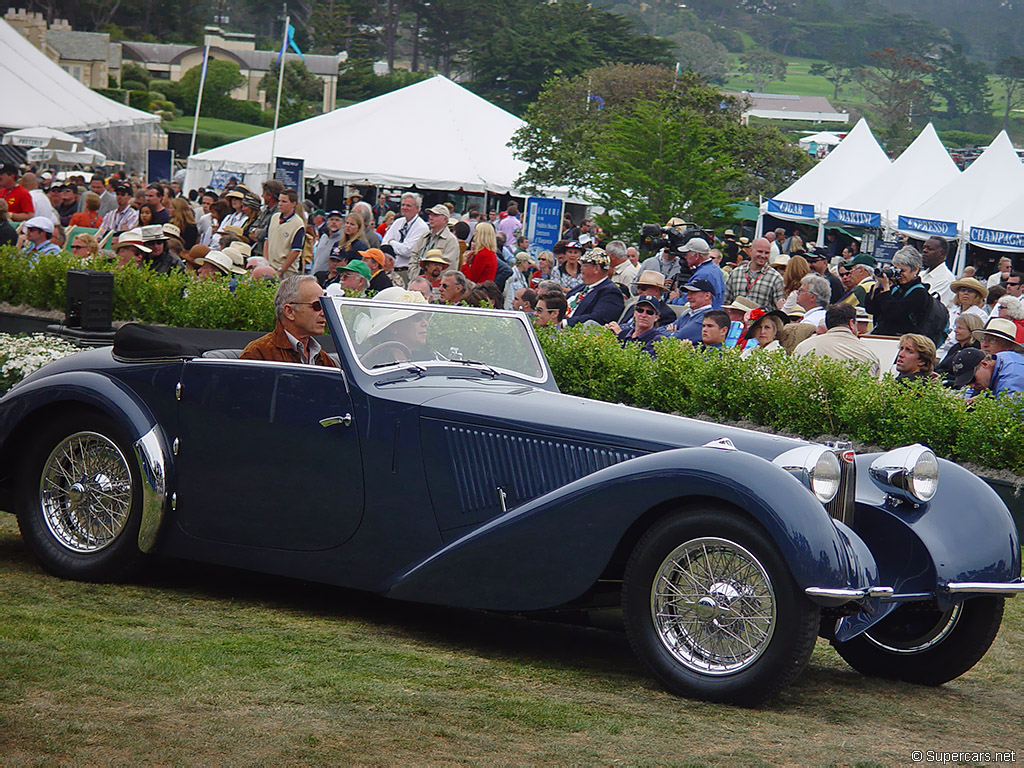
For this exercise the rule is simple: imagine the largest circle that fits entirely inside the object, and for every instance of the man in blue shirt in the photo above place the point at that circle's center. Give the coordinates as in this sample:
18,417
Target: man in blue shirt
38,231
1003,373
689,324
697,253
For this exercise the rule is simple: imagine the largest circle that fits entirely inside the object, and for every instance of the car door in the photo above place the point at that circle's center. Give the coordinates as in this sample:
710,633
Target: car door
268,455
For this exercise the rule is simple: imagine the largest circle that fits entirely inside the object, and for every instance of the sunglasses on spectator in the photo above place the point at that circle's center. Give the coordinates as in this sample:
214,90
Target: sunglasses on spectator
646,311
316,306
78,247
1013,284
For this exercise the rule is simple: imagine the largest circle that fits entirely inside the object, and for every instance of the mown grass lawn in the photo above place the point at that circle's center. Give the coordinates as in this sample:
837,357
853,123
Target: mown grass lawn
215,125
210,666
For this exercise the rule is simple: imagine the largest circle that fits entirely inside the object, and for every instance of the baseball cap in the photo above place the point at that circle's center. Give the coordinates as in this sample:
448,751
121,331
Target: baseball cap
644,298
123,189
440,210
335,212
699,284
863,258
596,256
357,266
44,223
696,245
375,253
574,244
963,366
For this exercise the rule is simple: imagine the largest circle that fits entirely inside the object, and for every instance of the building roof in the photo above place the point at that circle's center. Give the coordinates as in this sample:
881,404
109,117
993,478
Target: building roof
786,106
260,61
79,46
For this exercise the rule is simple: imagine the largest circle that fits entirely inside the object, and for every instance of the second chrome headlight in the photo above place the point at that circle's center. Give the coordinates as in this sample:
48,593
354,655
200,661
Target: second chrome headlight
910,473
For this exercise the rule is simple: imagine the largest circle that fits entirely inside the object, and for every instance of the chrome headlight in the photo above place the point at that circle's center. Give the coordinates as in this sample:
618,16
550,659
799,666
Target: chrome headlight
816,467
910,473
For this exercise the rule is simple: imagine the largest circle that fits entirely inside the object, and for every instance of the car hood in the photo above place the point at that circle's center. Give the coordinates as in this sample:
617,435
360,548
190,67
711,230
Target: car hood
540,412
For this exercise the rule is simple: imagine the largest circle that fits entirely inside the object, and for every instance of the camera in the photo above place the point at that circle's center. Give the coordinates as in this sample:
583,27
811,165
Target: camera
654,237
888,271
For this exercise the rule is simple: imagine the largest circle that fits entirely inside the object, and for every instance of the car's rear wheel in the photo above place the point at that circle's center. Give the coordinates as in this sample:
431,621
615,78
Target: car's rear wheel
80,498
712,611
919,643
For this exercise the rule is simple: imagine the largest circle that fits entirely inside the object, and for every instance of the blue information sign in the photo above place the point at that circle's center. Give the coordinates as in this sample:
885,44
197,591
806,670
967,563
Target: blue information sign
161,165
289,170
543,223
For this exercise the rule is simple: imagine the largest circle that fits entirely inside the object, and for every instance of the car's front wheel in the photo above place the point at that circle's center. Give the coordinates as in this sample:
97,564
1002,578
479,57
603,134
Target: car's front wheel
712,611
80,499
919,643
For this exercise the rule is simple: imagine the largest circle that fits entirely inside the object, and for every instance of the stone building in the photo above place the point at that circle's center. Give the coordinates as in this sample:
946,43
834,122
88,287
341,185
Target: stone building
89,57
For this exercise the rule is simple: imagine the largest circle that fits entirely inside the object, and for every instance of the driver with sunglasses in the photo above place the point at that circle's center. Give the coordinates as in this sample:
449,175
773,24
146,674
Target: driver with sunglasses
300,319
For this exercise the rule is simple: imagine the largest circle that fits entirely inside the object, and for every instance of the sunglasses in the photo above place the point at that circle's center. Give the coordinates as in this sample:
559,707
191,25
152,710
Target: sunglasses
316,306
645,311
1012,285
79,247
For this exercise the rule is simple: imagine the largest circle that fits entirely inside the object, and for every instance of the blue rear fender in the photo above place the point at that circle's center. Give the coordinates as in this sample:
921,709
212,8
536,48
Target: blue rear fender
551,550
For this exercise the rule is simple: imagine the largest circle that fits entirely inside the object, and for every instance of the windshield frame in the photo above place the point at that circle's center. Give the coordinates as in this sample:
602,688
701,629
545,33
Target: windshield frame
351,350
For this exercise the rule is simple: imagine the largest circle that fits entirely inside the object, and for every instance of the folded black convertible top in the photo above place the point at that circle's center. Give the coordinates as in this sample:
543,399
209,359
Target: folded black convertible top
148,342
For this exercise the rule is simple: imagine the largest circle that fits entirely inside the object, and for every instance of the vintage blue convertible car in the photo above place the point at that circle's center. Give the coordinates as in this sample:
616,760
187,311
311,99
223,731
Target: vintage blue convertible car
440,464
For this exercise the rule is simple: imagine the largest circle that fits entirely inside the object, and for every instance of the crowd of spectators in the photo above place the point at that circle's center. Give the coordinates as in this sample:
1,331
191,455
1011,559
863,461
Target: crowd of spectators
775,293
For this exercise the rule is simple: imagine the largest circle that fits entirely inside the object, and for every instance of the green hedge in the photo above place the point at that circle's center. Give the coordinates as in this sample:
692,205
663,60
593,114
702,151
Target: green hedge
811,397
806,396
142,295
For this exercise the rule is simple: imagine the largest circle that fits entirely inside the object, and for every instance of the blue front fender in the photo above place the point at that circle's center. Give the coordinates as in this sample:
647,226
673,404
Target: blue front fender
552,549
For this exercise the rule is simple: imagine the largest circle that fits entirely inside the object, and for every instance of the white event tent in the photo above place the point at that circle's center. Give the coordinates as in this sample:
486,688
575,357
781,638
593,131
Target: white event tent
973,197
857,159
37,92
913,177
433,134
1003,231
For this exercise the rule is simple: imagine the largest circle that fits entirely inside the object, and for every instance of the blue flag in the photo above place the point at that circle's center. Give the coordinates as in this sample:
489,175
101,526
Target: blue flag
290,44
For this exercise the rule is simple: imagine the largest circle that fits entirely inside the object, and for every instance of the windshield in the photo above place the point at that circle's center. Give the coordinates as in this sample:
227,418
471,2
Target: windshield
385,335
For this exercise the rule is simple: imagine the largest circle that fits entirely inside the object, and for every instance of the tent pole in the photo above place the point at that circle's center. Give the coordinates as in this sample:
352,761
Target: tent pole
282,60
961,253
759,227
199,98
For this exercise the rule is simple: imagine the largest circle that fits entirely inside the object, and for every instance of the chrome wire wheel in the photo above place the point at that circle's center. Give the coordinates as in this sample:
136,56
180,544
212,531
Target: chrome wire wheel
85,492
713,606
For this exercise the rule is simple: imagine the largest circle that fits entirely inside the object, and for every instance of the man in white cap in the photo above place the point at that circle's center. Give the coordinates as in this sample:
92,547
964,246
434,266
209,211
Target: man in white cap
437,236
697,253
38,230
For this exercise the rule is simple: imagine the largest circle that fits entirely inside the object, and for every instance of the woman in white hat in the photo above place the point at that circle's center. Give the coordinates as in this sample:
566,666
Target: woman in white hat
392,335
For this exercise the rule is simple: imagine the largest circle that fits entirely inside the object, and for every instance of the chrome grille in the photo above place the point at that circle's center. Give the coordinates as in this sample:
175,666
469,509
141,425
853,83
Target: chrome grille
841,507
523,467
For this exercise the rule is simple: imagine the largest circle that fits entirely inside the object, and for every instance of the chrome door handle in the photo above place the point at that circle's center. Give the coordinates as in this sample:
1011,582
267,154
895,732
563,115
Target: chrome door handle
330,421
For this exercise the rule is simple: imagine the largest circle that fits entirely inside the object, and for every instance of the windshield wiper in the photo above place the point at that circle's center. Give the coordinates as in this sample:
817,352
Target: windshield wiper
410,370
484,366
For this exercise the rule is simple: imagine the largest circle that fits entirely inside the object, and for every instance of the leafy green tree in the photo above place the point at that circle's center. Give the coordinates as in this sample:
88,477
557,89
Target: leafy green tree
1011,74
222,77
357,81
962,83
660,159
563,125
839,73
699,53
895,88
763,67
765,159
551,40
301,91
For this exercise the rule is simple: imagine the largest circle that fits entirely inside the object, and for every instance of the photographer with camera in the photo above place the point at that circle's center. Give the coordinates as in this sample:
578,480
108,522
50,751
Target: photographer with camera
899,300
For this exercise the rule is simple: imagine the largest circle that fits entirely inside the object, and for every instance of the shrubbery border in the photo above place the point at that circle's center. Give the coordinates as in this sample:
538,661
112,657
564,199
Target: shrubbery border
809,397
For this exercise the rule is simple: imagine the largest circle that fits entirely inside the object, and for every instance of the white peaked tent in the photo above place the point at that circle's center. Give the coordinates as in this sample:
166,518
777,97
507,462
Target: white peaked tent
1004,231
857,159
434,134
981,190
37,92
924,167
984,188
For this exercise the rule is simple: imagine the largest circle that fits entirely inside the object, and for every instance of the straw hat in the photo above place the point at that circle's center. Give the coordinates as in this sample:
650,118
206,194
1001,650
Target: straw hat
218,259
1000,328
132,237
237,258
651,277
741,304
970,282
